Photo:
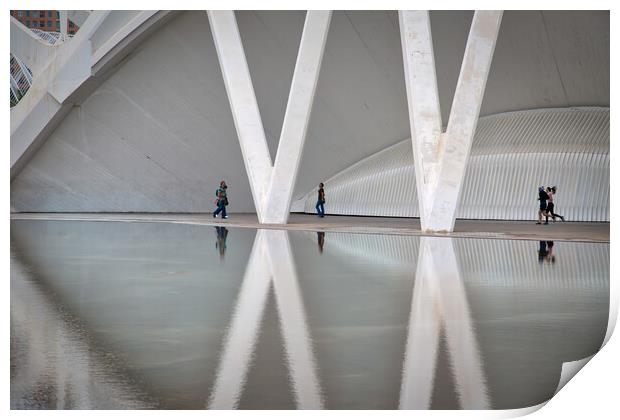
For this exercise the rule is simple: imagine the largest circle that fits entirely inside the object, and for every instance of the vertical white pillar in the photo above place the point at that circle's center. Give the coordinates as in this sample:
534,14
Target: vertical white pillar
441,158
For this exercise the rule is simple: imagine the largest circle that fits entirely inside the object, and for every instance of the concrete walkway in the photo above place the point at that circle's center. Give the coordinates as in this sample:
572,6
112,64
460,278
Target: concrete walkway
490,229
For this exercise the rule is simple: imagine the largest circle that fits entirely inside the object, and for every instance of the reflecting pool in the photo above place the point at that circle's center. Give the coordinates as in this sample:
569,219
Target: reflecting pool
173,316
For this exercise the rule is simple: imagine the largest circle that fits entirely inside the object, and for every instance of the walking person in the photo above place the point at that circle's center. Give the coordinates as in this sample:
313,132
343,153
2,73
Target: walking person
320,209
222,200
550,206
542,208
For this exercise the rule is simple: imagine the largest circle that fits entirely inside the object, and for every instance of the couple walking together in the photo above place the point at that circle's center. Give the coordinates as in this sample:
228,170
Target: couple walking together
547,208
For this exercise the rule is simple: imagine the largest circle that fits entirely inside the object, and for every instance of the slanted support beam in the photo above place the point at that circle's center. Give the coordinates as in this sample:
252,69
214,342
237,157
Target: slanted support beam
440,158
271,184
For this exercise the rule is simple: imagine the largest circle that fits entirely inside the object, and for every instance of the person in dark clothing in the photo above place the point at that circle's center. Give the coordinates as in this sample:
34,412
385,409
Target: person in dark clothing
550,206
222,200
542,208
320,209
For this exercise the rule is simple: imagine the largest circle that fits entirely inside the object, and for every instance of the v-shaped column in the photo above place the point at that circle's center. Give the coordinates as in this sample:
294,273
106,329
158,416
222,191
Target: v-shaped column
272,185
441,157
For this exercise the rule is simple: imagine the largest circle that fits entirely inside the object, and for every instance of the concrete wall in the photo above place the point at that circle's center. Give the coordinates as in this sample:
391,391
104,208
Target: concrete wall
158,134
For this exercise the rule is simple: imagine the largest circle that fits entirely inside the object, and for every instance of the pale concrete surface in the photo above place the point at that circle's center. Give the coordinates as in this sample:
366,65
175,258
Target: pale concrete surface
489,229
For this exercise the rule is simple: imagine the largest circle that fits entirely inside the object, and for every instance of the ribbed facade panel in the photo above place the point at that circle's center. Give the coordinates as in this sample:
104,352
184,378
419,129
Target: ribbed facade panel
512,154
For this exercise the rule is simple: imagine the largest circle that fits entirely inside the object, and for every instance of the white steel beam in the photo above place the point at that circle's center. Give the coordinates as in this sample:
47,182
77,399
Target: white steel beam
441,158
271,185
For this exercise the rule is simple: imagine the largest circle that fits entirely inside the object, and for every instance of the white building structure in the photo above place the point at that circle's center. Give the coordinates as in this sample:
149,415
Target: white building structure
440,115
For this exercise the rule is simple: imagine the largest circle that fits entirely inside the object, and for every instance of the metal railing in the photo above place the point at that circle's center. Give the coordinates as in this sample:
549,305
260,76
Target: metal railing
50,37
21,79
21,76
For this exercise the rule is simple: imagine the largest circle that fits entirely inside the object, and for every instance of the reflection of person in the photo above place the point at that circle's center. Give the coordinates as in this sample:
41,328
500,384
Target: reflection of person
222,200
320,209
550,254
220,244
542,251
321,240
545,252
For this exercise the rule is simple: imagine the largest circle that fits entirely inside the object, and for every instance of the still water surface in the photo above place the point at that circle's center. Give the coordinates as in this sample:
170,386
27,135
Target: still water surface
159,315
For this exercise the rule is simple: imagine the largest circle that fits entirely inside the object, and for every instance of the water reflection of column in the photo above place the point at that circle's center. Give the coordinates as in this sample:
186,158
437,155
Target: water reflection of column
439,298
271,258
292,316
243,332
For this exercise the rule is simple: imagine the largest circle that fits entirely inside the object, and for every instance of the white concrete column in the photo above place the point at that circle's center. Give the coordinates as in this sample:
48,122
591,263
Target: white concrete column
439,298
272,185
422,100
441,158
297,116
242,104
